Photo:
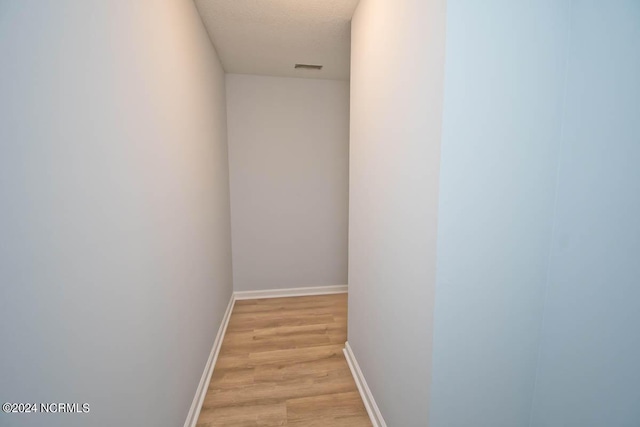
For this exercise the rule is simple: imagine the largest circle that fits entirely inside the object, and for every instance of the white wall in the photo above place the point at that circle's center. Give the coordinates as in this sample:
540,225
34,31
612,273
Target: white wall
588,372
537,294
288,160
396,108
536,189
115,263
501,133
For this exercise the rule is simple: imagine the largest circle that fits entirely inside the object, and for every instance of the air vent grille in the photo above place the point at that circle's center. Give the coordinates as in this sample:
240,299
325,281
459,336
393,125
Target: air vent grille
308,66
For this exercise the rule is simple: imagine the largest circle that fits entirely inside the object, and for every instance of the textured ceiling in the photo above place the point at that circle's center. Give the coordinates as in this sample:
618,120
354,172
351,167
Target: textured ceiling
270,36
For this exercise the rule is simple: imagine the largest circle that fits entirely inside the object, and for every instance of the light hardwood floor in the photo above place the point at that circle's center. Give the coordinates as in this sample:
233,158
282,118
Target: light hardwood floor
281,364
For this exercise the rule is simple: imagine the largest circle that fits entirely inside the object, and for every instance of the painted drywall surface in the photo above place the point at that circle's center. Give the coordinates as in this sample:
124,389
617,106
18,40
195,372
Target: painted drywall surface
288,163
396,110
588,373
501,131
114,209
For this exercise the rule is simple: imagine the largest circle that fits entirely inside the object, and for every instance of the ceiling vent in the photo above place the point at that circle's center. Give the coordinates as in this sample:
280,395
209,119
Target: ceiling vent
308,66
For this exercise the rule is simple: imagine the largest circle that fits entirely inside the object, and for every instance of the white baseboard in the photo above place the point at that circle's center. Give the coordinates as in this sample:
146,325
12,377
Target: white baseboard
203,386
293,292
363,388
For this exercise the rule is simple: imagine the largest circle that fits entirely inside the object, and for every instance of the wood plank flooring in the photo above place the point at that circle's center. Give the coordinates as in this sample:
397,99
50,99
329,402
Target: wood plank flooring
281,364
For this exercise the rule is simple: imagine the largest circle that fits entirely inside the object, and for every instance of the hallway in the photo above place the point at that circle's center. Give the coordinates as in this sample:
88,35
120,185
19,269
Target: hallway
281,364
194,193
